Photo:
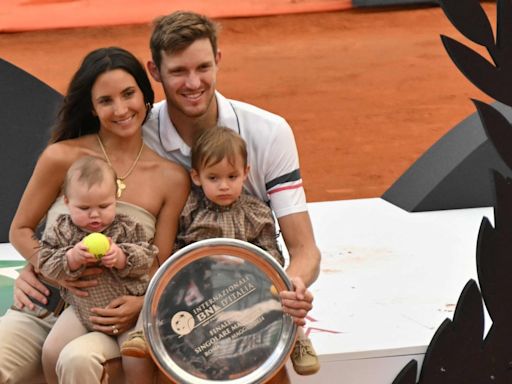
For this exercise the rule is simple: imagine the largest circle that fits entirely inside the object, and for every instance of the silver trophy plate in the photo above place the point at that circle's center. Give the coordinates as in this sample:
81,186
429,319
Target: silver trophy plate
213,314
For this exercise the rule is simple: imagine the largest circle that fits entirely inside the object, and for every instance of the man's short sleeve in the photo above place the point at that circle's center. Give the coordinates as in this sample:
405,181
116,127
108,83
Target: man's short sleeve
283,181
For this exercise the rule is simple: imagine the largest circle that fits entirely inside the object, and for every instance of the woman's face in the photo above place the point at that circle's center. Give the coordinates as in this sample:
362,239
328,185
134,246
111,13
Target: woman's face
118,102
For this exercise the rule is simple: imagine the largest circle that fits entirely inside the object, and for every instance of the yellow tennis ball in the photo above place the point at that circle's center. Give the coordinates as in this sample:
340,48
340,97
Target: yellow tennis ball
97,244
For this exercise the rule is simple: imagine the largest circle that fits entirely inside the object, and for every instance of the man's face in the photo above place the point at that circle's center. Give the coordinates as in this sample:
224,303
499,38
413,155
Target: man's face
189,78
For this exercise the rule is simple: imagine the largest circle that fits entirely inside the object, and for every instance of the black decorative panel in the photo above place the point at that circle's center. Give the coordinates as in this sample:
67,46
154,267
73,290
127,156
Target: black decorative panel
27,111
459,352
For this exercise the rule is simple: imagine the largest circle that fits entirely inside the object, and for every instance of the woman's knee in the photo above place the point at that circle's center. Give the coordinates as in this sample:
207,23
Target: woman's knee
49,356
81,361
50,353
78,363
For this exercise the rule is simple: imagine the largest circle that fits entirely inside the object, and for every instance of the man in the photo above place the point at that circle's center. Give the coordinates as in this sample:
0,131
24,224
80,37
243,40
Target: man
188,75
185,60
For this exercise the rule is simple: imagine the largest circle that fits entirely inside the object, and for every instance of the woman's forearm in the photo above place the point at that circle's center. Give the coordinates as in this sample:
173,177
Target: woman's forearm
26,243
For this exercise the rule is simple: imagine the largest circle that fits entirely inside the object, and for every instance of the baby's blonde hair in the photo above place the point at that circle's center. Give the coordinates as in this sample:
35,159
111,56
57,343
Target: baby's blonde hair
89,170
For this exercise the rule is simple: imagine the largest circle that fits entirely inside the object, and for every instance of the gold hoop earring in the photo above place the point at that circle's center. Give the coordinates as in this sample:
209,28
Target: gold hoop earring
148,111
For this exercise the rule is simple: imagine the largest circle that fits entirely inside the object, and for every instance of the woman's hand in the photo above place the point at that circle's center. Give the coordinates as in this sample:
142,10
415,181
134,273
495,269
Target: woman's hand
28,285
119,316
297,303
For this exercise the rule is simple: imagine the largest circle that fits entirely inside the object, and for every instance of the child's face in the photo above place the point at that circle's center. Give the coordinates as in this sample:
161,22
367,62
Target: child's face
222,183
91,209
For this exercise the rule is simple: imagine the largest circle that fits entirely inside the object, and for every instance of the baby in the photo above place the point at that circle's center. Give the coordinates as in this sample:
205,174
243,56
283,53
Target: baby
89,193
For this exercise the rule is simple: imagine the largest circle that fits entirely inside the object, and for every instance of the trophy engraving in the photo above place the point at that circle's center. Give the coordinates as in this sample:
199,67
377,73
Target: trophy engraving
213,313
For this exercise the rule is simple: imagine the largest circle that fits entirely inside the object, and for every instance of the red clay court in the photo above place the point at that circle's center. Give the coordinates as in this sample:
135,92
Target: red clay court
366,90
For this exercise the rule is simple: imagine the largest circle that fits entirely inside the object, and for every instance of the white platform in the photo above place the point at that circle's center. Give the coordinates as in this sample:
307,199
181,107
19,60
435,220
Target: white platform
388,280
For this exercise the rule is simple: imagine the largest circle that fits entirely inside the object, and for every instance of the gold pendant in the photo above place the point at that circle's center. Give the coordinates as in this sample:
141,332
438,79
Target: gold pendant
121,186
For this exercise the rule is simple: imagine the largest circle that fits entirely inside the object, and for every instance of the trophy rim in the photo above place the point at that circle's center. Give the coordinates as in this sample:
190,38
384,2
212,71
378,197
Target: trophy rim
184,257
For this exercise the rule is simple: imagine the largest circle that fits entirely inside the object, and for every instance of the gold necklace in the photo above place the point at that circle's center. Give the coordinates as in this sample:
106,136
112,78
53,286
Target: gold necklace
121,185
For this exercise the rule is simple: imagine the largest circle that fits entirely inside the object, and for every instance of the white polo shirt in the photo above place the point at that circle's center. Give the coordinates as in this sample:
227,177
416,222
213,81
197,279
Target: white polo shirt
274,174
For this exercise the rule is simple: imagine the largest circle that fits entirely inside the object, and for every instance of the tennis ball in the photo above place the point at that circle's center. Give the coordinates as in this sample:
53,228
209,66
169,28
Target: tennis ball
97,244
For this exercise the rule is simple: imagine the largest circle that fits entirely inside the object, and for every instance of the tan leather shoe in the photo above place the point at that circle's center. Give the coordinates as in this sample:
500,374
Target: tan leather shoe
135,345
304,358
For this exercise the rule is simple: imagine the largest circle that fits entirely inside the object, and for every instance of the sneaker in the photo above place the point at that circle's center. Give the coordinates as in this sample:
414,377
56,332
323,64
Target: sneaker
304,358
135,345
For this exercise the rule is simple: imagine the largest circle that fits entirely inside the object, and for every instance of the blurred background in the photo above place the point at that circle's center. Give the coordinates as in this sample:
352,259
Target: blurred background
365,84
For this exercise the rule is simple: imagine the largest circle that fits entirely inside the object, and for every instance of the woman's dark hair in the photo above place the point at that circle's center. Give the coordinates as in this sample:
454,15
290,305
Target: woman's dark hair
75,116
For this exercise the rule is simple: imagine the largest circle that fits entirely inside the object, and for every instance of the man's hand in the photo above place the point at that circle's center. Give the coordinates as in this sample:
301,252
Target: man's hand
121,315
79,287
297,303
28,285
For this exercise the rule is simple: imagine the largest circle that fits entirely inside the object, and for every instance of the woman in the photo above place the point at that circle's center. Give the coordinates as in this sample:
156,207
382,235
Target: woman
106,104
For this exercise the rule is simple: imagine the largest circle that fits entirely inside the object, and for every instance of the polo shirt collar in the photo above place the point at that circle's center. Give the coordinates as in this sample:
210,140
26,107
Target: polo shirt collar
227,116
171,140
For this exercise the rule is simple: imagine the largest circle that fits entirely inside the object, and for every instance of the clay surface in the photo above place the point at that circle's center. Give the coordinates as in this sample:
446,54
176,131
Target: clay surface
366,91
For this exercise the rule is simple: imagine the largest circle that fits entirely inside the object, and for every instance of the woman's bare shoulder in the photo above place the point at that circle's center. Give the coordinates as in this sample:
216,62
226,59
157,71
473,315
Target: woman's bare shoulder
176,174
171,169
67,151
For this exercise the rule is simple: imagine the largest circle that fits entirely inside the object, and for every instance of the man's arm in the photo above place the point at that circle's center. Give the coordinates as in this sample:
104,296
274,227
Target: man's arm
304,265
299,239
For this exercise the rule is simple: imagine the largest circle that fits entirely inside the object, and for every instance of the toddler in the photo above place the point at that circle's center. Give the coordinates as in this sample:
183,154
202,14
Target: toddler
218,207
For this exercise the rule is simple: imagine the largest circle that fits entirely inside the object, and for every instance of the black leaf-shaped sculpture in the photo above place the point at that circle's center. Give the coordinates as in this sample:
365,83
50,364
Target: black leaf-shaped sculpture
494,263
458,352
493,256
470,20
494,79
504,34
455,343
482,73
497,128
408,374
